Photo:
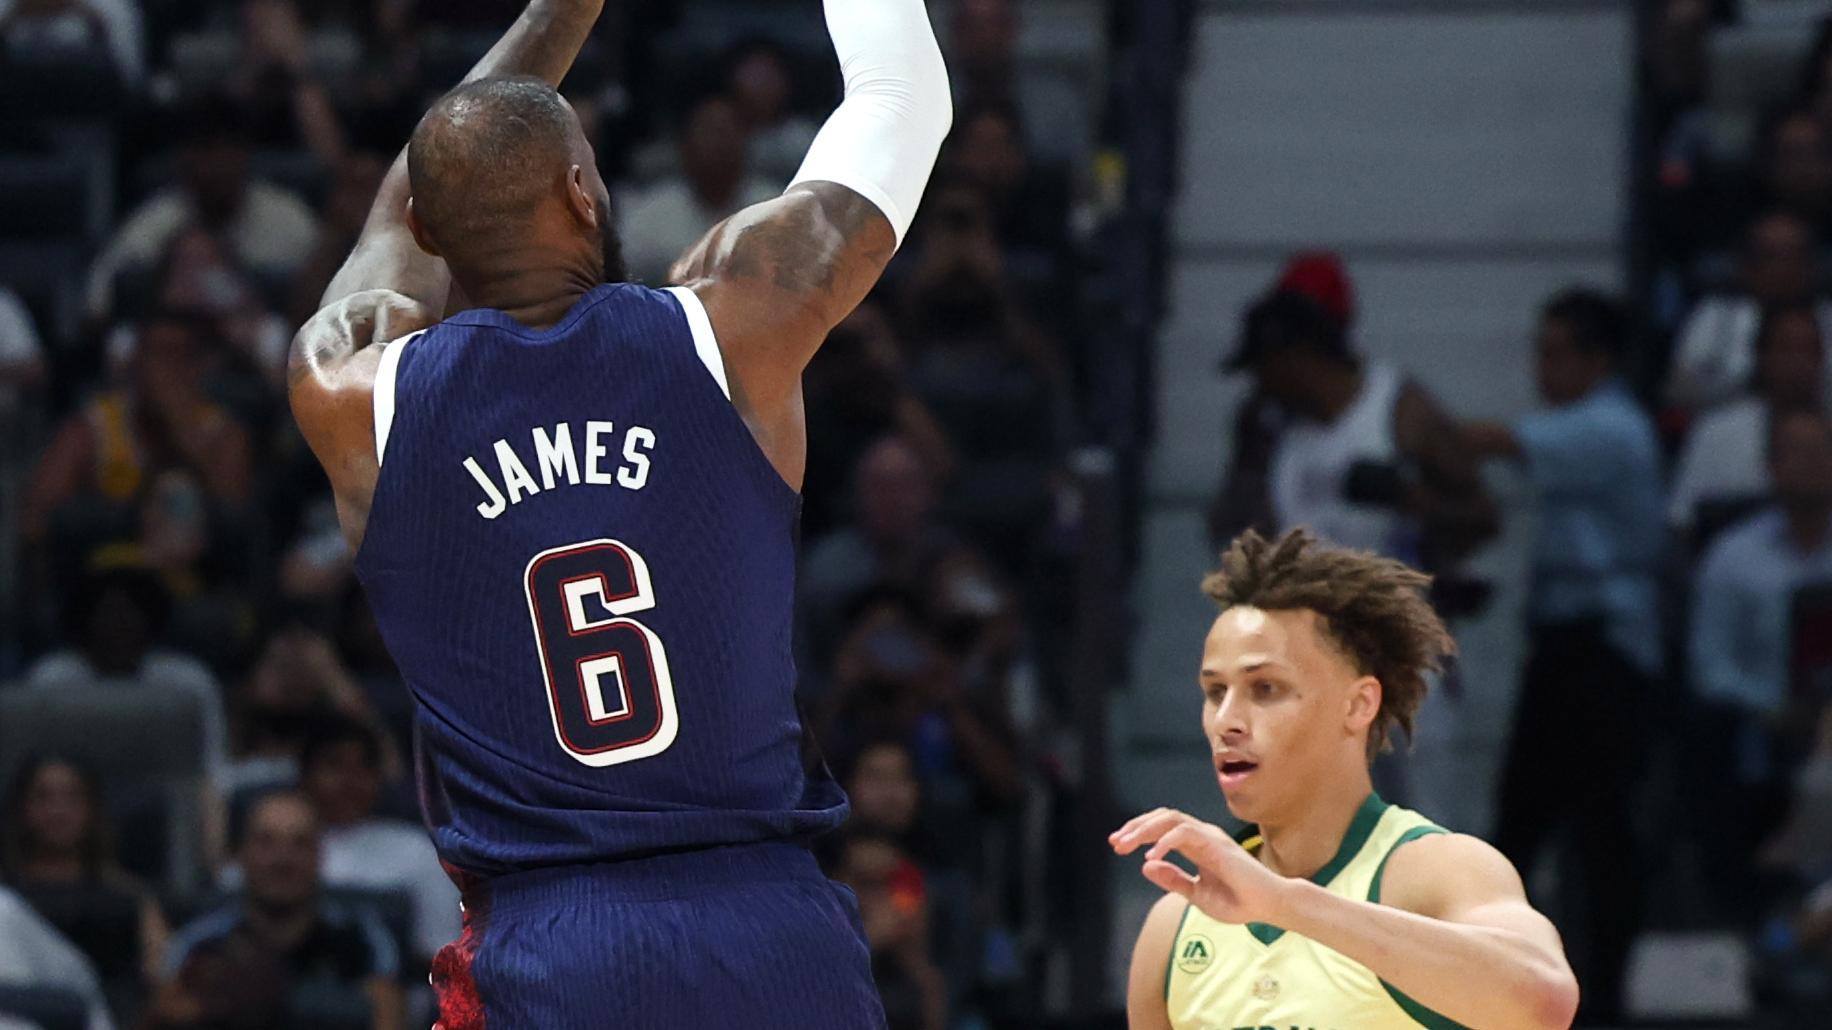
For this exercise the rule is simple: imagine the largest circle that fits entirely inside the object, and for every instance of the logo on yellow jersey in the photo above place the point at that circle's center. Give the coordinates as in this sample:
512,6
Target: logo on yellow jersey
1196,954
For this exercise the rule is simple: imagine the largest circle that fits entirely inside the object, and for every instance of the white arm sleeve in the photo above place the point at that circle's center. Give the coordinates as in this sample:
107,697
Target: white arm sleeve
883,140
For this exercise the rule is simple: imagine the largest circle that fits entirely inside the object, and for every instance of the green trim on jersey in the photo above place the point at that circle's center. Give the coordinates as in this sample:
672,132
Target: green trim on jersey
1406,838
1425,1017
1360,829
1170,960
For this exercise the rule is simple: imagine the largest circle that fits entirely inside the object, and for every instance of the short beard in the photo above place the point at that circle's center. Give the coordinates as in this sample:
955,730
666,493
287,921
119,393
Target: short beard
611,246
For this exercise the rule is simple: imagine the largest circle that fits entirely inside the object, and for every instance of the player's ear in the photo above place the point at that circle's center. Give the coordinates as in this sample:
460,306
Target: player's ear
418,229
1364,703
579,199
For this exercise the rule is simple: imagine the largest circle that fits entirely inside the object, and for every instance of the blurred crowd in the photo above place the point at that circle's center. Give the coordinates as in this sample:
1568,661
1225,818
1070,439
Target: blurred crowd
208,817
1671,745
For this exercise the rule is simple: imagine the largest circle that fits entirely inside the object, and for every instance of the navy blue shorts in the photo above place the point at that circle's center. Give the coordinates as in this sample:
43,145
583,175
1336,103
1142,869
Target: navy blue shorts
752,936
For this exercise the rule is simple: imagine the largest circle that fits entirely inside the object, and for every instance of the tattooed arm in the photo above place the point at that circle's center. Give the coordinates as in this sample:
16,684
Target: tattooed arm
777,277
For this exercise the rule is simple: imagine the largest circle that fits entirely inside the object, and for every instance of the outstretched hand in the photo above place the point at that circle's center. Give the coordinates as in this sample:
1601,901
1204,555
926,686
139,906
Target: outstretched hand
1230,885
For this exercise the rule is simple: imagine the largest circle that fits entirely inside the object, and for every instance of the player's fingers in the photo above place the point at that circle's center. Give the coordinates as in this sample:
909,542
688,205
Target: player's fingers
1146,828
1126,838
1194,840
1169,877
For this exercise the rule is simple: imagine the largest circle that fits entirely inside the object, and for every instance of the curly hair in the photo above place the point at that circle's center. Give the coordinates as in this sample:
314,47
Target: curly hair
1374,611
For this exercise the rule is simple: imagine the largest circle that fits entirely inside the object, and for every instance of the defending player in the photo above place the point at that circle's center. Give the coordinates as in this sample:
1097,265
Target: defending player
575,506
1336,909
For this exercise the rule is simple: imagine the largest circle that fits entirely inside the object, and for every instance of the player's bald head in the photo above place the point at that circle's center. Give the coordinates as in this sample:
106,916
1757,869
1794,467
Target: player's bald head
487,156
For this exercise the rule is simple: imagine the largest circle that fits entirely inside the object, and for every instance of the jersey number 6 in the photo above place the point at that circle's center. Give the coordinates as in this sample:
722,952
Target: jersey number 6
607,675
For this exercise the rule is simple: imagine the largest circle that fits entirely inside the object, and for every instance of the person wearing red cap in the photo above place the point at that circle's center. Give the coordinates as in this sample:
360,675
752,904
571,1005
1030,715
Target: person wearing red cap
1355,449
1319,275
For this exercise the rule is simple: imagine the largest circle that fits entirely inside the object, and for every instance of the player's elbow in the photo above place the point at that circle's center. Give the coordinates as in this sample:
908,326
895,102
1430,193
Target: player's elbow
939,99
1554,1002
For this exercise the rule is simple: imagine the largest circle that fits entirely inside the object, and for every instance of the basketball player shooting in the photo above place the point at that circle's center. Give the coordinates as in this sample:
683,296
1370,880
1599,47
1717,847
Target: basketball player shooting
1336,909
574,505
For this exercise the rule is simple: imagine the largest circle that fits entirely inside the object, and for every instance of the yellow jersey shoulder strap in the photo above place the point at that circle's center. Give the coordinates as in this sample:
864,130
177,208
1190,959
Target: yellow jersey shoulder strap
1423,1016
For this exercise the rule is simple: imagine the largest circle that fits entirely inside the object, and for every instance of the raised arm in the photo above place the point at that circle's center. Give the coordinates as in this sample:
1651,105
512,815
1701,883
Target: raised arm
543,42
777,277
389,287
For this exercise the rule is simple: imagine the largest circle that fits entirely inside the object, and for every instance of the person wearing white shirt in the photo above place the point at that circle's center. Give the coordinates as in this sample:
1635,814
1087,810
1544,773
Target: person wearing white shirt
1745,728
1725,455
116,617
267,228
1740,644
1715,353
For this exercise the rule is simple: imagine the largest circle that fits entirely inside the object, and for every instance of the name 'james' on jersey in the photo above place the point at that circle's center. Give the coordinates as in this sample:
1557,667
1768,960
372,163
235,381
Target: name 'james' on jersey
584,566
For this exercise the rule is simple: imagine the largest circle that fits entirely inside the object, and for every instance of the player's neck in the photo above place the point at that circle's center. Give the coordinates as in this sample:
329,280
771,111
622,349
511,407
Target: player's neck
1306,840
535,290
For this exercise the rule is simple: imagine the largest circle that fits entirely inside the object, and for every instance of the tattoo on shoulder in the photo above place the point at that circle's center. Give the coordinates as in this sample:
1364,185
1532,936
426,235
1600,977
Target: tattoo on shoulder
805,246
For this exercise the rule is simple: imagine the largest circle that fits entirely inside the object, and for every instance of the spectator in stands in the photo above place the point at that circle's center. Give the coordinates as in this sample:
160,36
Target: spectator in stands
327,949
1714,356
892,679
297,685
893,905
1794,167
341,771
1725,455
1676,75
1029,205
199,277
281,99
984,65
56,851
993,377
1364,455
365,654
859,392
661,222
1594,632
224,984
977,618
886,796
39,26
888,803
262,224
115,619
1740,646
22,365
760,80
893,541
33,954
1245,498
91,482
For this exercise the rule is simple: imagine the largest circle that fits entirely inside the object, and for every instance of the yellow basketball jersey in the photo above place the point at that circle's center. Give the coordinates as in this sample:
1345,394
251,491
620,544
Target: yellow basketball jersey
1224,976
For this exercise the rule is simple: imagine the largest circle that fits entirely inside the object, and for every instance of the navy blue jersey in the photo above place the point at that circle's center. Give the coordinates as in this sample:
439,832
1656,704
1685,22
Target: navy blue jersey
584,566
